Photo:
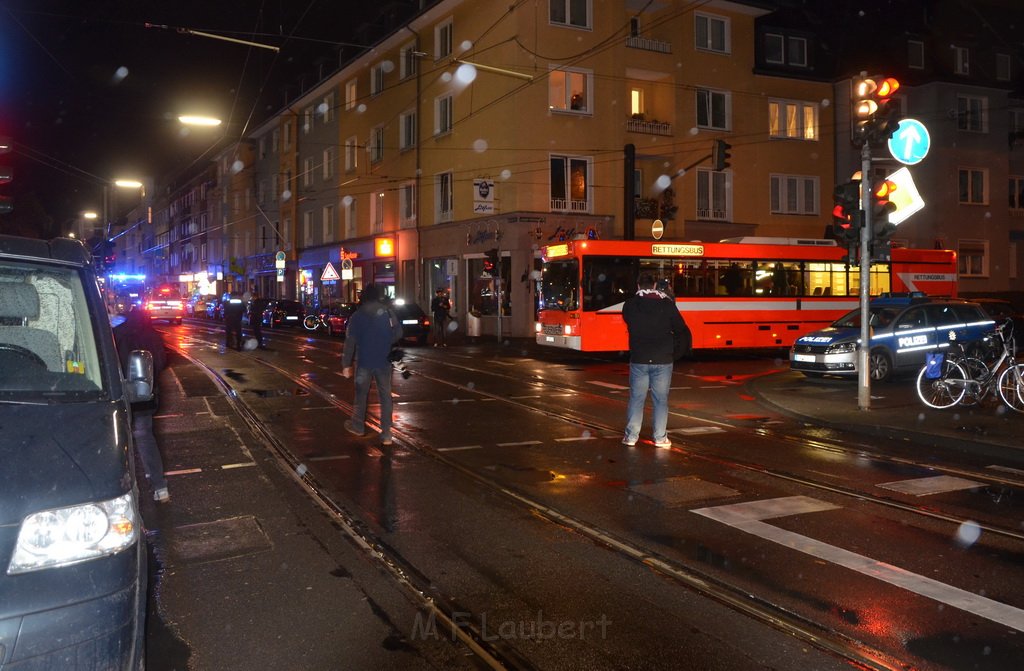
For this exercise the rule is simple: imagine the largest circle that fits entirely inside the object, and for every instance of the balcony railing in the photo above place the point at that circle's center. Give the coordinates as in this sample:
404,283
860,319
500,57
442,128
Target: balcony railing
648,127
711,213
648,44
566,205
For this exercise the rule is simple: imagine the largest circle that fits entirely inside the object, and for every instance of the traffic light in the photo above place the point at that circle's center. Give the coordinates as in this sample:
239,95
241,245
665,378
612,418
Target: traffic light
847,217
720,155
491,262
873,109
881,228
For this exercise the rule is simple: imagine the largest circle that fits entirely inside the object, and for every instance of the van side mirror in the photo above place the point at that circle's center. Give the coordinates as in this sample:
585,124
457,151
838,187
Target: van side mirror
140,376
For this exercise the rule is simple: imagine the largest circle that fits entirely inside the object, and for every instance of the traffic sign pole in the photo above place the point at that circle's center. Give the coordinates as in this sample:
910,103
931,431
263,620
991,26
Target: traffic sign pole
864,349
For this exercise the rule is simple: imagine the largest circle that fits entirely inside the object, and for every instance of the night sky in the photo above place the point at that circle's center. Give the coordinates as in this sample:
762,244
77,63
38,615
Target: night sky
89,93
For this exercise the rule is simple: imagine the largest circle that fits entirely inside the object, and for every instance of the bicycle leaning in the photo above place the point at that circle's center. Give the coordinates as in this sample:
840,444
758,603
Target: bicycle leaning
967,377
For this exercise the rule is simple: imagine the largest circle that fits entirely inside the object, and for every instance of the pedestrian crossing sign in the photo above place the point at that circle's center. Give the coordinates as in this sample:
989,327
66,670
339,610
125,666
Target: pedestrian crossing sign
329,274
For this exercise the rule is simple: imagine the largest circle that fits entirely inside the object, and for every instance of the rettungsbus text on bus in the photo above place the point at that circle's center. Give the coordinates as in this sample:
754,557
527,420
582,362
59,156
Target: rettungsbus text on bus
735,294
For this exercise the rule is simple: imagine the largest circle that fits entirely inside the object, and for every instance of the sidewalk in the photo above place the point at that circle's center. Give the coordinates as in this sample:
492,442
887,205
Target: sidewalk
895,412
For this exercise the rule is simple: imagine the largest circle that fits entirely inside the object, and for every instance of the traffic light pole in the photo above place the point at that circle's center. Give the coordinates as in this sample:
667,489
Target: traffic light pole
864,349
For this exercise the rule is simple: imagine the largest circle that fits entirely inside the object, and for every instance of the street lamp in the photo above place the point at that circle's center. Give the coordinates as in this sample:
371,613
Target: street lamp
199,120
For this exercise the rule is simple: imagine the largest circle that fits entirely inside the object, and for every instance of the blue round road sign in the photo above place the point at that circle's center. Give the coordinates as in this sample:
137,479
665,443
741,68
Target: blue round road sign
909,144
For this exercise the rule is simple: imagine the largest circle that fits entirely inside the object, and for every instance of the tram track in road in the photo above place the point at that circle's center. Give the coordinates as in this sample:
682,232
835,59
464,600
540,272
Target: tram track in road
737,598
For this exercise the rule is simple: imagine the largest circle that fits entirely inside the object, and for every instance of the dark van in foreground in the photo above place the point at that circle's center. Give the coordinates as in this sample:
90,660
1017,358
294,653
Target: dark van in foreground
72,553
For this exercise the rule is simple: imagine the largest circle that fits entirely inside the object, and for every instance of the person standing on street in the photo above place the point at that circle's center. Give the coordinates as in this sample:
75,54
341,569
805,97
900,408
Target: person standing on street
440,309
234,310
137,332
372,330
256,307
657,337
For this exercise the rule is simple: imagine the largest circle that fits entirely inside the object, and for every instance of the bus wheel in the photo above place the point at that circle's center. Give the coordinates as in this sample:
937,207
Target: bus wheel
880,364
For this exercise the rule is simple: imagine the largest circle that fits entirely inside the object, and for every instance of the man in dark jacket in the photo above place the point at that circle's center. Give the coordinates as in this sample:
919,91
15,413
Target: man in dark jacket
371,331
657,337
137,332
234,310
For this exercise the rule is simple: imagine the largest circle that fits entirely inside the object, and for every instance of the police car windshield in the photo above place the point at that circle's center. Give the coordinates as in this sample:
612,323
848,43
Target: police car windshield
880,318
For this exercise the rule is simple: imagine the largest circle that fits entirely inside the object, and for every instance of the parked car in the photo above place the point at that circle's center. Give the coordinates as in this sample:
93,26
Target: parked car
415,322
904,328
72,549
283,312
196,307
1000,310
336,315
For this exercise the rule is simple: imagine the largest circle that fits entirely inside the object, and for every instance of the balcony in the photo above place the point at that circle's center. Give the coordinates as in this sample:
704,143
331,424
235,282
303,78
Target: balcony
648,44
637,124
567,205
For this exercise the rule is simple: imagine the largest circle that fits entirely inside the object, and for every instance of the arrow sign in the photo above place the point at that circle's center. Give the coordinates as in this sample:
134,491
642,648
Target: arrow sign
910,143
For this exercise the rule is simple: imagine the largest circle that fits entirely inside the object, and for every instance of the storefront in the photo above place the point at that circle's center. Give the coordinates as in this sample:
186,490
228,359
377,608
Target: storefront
355,264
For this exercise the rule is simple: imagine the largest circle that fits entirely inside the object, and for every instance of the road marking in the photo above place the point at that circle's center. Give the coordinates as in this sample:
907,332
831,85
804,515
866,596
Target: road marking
699,429
328,458
516,398
938,484
1006,469
607,384
748,517
572,438
521,442
186,471
461,447
241,465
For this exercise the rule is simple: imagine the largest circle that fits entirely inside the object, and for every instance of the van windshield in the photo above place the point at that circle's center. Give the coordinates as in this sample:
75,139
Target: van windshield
48,347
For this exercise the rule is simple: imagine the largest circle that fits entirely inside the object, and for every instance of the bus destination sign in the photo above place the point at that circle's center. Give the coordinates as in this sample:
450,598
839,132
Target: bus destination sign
677,250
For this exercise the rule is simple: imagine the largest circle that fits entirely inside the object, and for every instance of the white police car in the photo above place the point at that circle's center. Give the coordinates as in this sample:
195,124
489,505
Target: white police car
904,327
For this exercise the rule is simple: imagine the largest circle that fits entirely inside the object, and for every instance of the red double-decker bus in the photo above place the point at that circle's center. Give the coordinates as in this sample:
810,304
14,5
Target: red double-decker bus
734,294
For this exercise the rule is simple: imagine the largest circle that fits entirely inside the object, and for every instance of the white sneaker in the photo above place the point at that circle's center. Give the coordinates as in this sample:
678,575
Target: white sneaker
162,495
663,443
629,442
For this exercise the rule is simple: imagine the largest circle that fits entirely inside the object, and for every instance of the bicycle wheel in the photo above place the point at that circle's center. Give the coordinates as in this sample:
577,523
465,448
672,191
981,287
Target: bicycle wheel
311,322
978,372
1011,386
944,391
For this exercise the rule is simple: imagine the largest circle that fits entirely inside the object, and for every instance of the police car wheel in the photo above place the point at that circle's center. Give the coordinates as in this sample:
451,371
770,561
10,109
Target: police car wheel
880,364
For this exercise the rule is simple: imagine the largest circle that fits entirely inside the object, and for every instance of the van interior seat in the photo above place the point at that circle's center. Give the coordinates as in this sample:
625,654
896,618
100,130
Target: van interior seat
19,303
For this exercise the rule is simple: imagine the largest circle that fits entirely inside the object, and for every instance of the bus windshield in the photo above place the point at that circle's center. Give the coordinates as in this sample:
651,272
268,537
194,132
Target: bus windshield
558,285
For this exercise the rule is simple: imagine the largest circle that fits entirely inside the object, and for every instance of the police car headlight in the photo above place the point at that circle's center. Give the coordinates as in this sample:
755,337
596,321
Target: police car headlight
841,348
74,534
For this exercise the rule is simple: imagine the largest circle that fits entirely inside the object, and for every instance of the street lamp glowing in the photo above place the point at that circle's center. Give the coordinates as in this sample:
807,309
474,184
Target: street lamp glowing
128,183
195,120
90,215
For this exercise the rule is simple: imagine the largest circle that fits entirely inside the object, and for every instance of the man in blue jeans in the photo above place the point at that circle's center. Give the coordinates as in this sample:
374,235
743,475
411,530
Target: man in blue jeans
371,331
657,337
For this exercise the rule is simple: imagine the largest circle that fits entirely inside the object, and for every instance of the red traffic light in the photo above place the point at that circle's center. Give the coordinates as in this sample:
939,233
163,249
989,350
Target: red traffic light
888,87
884,189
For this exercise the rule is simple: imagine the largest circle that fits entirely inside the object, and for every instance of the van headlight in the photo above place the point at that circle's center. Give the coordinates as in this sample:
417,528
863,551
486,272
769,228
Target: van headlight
75,534
841,348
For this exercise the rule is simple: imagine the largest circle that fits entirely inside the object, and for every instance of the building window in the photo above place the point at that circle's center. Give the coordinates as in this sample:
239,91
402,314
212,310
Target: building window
275,141
973,186
1017,121
377,212
407,204
713,109
443,196
350,216
307,228
351,95
407,125
274,186
973,255
711,33
408,61
443,40
329,161
307,172
574,13
1003,67
351,154
328,223
288,134
307,120
915,54
636,101
570,184
712,200
972,114
377,79
1016,193
443,114
377,144
569,90
326,108
961,61
794,194
784,50
793,119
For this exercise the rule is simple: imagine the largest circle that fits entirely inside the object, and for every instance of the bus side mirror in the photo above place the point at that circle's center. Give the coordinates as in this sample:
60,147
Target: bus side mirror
140,376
